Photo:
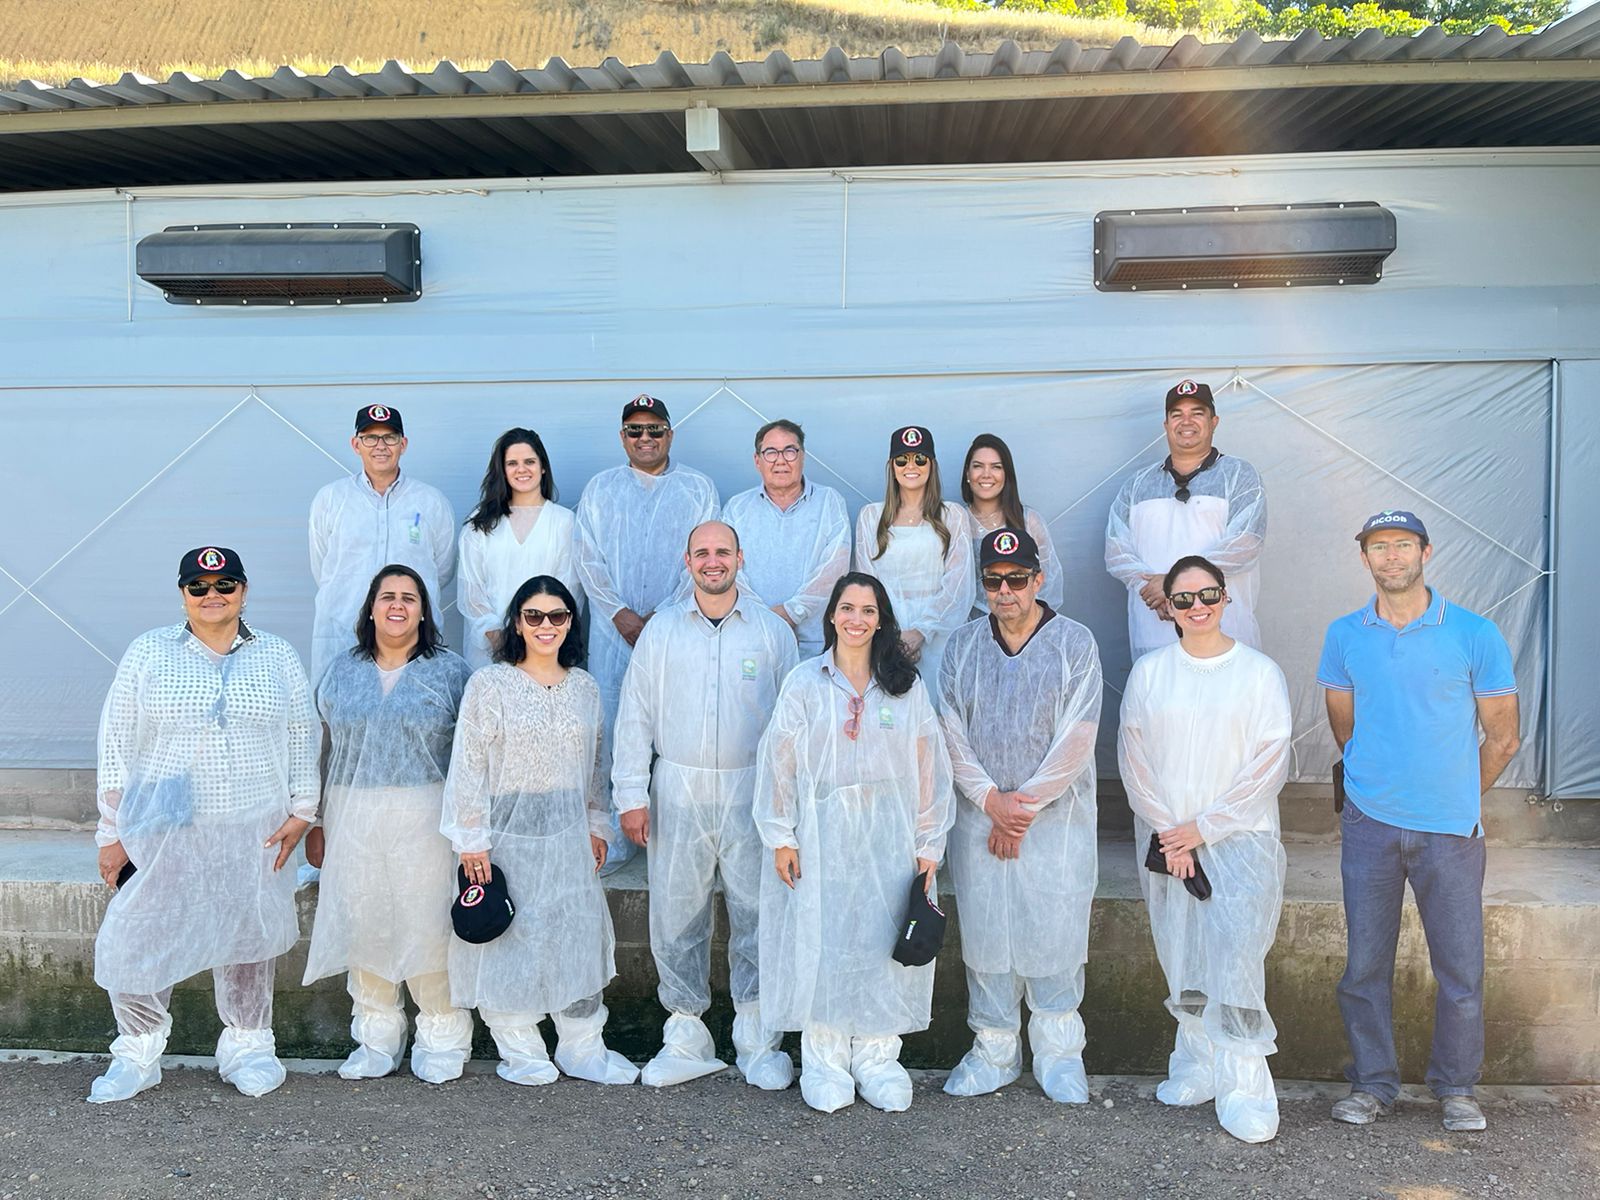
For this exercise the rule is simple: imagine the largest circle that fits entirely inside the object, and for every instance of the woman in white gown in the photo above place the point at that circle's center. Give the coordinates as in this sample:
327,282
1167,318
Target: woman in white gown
989,488
526,794
1204,751
854,799
921,548
516,532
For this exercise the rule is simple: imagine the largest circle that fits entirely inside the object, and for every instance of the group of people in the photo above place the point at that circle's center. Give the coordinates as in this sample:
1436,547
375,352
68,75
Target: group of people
813,738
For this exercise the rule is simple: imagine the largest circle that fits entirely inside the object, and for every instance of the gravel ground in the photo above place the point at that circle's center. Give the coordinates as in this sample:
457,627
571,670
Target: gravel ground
319,1136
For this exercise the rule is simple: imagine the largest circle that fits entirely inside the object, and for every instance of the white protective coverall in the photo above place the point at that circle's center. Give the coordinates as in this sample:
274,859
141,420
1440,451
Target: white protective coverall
388,875
525,785
1225,519
699,695
860,812
632,529
794,556
931,590
1024,723
1207,740
202,758
1054,588
355,532
494,565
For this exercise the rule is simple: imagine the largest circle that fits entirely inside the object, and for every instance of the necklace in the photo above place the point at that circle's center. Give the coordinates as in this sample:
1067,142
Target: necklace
1182,480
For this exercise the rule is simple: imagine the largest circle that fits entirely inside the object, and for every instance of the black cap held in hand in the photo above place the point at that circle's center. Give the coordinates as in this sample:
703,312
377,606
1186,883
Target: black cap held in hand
482,911
922,935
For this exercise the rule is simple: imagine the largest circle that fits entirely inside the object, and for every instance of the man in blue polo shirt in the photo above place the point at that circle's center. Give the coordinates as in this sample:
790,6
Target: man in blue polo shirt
1409,678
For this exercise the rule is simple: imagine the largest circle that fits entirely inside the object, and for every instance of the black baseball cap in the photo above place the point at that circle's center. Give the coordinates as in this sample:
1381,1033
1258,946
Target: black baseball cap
1190,390
1009,545
922,934
210,560
913,439
646,404
379,414
482,911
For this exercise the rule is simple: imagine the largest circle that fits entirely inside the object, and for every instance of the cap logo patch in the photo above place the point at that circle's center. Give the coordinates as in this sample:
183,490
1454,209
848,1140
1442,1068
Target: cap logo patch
1005,543
213,559
644,401
472,897
911,437
378,412
1188,387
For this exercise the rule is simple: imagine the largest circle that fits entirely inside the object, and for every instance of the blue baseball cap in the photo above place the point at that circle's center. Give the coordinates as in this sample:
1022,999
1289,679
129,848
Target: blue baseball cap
1391,519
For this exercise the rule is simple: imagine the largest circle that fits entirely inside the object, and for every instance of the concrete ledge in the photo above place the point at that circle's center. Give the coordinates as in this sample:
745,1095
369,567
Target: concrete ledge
1542,946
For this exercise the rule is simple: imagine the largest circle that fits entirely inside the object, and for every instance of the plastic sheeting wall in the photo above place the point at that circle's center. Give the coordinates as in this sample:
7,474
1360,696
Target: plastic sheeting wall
135,429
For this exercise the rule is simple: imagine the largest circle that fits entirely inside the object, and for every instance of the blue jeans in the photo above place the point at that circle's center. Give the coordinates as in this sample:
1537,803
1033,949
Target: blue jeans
1446,874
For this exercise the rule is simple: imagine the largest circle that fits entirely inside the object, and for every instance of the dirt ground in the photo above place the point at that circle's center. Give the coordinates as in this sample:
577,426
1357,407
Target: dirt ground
478,1138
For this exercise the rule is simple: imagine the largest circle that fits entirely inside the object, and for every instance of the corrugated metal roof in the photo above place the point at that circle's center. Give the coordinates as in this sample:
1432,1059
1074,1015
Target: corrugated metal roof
1011,105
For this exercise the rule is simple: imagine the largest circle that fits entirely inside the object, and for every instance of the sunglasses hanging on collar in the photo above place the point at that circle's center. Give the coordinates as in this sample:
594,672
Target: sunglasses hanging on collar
1181,482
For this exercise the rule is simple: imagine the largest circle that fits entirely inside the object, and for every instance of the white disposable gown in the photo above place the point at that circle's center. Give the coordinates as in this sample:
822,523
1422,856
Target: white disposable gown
1054,588
355,532
388,875
525,785
1225,519
931,589
201,759
860,813
494,565
794,556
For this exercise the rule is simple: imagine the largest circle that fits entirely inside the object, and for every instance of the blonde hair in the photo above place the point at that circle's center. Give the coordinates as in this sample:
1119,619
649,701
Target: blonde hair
932,506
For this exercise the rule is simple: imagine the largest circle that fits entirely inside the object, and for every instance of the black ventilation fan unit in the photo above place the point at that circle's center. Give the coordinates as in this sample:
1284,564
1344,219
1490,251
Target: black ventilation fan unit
284,264
1250,246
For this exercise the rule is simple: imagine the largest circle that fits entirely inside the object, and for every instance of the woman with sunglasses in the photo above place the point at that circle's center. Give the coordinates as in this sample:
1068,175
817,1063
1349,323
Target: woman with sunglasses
383,904
989,487
207,781
854,799
921,548
516,532
1204,751
525,800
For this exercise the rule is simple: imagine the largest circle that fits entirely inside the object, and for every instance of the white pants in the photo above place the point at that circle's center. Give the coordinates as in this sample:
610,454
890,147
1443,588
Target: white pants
244,1000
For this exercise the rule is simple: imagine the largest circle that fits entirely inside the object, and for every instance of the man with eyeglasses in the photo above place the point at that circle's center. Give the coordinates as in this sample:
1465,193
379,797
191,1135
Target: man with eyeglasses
1197,501
632,519
796,533
1020,707
1409,680
704,678
367,520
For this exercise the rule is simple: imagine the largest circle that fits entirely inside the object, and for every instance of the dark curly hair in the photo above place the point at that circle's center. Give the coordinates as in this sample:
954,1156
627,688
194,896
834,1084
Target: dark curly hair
893,668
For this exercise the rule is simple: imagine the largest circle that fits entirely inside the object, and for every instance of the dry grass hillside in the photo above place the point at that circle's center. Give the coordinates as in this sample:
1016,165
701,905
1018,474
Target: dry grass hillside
55,40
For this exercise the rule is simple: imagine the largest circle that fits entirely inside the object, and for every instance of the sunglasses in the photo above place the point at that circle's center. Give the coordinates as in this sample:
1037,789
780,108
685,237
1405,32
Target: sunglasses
1210,597
556,616
852,726
635,432
773,453
372,440
1017,579
199,587
902,460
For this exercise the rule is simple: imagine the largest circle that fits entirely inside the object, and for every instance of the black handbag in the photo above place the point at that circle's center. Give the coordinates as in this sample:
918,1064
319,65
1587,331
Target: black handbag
1197,885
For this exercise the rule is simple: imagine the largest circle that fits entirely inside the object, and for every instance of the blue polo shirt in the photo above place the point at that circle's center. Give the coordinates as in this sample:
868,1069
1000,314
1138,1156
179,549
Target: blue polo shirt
1413,758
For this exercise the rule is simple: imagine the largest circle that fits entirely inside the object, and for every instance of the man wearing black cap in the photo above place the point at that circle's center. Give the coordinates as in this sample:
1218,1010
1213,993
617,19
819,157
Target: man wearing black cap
633,521
1410,679
1020,706
1197,501
368,519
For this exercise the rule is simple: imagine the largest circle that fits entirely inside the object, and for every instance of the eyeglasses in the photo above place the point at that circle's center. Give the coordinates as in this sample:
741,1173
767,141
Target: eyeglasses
852,726
556,616
901,460
1017,579
1210,597
199,587
635,432
772,453
373,440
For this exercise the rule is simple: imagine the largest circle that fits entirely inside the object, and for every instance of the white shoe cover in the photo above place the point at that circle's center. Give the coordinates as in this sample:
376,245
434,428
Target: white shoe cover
994,1061
442,1046
380,1034
756,1050
135,1065
1057,1039
881,1080
1190,1079
687,1052
1247,1103
581,1050
248,1059
825,1082
524,1058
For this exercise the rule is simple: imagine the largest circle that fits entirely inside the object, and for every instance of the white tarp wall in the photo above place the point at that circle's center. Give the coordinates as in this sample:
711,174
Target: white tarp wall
134,429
